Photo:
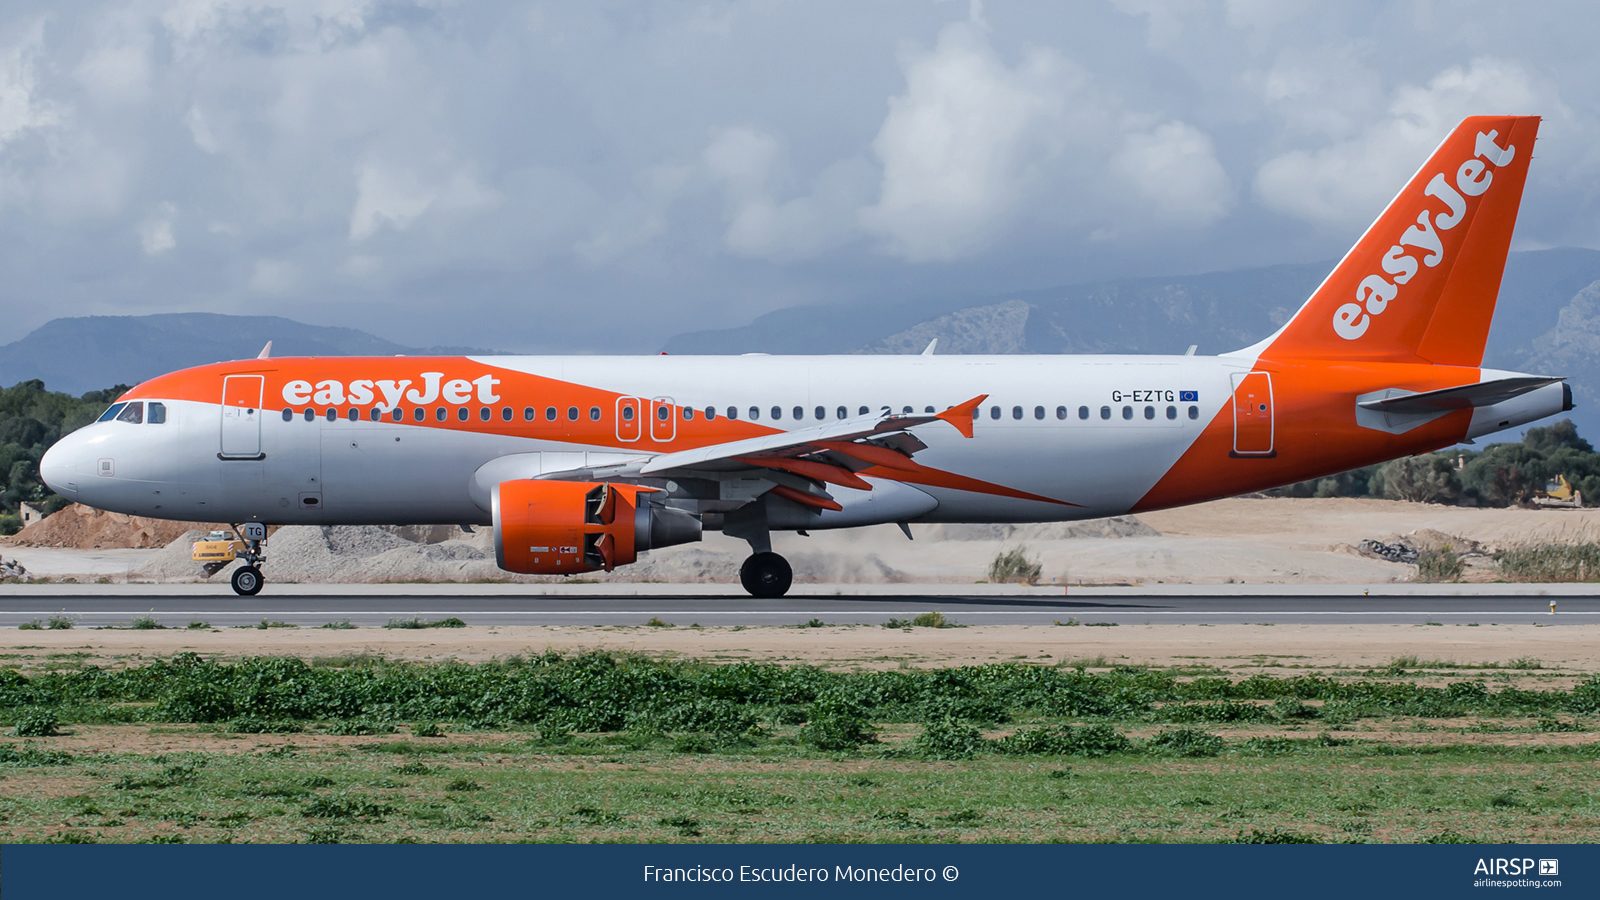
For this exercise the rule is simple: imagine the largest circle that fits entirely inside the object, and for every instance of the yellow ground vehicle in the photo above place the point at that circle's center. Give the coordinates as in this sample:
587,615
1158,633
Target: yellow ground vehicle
1559,494
216,550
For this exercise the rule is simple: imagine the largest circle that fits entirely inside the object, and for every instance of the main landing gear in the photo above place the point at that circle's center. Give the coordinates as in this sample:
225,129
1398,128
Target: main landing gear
766,575
247,580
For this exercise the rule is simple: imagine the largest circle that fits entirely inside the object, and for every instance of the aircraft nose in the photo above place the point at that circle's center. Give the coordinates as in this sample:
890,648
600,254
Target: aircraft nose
62,467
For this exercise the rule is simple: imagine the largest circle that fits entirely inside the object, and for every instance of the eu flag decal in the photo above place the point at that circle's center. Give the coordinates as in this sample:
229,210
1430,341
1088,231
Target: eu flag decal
1188,396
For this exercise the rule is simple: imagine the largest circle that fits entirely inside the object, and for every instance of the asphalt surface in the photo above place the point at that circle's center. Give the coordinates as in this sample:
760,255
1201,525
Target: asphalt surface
309,608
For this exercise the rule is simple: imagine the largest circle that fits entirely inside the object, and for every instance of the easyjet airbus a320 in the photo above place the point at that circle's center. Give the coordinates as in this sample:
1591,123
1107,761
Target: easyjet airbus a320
580,463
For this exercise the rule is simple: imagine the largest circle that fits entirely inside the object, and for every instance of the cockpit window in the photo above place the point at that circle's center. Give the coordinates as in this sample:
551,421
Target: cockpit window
158,414
133,413
111,413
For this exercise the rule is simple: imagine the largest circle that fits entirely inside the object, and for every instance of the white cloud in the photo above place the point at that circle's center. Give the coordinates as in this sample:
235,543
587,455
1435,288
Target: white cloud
274,276
1174,168
750,168
1349,182
958,147
21,110
393,196
155,232
200,130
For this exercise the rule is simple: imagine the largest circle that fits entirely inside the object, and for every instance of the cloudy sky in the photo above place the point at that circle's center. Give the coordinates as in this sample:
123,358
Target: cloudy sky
598,176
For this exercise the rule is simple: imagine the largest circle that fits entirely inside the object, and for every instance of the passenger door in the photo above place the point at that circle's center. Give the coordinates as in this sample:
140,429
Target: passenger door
1252,414
628,428
241,416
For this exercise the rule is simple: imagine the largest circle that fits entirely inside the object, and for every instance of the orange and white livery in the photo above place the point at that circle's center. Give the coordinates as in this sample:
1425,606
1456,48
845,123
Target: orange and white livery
580,463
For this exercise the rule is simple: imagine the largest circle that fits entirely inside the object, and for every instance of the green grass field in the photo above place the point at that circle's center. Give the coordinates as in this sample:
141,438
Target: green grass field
606,748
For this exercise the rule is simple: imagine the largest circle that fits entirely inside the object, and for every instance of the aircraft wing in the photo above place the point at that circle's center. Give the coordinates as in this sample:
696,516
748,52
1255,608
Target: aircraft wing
798,461
1483,393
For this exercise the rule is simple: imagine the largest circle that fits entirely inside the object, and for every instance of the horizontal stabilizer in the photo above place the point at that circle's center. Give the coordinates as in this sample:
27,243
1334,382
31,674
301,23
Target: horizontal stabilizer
1467,396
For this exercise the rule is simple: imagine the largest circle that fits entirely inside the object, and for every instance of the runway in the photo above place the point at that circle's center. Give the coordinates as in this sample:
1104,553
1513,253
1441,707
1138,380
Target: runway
374,605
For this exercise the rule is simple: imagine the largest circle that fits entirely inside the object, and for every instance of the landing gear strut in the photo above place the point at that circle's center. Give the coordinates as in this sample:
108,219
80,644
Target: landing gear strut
766,575
247,580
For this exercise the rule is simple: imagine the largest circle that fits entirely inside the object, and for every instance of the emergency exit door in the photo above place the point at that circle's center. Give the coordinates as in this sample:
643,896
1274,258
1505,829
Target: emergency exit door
241,416
1252,414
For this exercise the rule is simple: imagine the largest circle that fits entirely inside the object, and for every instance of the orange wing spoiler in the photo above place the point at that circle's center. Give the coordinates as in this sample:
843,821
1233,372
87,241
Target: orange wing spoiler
961,416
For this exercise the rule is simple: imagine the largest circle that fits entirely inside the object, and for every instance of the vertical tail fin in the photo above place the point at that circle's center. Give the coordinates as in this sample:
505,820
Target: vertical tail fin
1421,284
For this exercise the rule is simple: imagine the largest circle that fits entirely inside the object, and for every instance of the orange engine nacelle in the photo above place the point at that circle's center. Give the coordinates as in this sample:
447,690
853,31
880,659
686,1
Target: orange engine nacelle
568,527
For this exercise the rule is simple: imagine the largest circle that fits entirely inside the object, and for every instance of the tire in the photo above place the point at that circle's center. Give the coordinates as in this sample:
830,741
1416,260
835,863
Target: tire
247,581
766,575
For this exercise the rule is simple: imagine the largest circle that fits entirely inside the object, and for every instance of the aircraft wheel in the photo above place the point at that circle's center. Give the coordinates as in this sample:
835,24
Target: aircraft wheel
766,575
247,581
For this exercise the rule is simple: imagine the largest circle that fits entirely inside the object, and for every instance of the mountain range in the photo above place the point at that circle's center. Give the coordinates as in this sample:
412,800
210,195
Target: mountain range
1547,322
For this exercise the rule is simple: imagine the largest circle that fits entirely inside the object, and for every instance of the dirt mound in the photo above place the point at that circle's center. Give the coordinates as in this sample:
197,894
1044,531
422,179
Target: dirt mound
85,528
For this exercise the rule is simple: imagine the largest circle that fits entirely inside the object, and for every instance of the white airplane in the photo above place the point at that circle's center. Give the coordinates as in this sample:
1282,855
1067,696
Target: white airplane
580,463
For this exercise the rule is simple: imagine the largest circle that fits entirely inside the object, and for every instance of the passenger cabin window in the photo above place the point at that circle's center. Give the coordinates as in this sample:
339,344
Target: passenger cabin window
375,414
419,414
572,414
927,409
111,413
549,413
288,415
462,414
133,413
843,412
1083,412
397,414
1105,412
332,415
528,414
594,413
440,413
483,414
1194,412
777,413
1172,412
353,414
310,415
755,413
1016,412
157,414
711,413
1038,412
799,413
906,410
688,413
863,411
822,413
733,412
1127,412
994,412
505,413
1061,412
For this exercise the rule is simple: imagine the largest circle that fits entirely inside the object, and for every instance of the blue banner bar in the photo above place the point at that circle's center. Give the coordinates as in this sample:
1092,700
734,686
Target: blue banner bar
55,872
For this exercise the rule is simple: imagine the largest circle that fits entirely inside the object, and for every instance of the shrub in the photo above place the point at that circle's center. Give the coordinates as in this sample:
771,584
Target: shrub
428,730
1439,565
61,622
36,723
462,785
343,806
196,701
358,727
146,623
1084,740
711,716
1550,562
30,626
947,739
655,622
1190,742
1014,565
1275,836
198,625
931,620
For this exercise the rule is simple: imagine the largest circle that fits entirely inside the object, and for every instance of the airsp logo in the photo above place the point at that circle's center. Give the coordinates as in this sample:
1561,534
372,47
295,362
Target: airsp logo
1373,295
1502,866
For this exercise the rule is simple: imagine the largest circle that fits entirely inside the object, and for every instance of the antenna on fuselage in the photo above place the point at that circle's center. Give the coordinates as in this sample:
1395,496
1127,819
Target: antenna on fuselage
1191,350
931,344
266,351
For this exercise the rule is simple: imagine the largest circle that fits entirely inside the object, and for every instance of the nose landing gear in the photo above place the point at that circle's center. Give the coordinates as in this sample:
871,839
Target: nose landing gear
766,575
247,580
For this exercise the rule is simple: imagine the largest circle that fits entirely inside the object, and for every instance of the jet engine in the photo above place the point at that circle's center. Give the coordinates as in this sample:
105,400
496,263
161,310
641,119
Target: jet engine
568,527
